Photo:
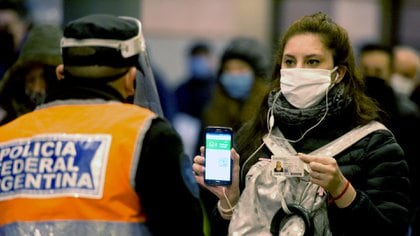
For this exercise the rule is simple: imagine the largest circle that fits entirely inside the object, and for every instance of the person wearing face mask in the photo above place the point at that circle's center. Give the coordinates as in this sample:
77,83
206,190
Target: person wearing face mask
29,81
406,77
382,67
241,81
317,95
194,93
406,70
405,82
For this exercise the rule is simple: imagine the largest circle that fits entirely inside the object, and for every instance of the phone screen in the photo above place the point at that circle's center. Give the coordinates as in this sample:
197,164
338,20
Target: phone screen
218,163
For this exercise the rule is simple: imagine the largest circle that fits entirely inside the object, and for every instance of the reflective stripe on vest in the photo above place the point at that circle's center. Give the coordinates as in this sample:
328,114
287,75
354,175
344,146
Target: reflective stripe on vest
74,228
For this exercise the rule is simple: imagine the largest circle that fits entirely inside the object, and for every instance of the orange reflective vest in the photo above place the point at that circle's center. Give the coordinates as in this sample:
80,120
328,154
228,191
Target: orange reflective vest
73,163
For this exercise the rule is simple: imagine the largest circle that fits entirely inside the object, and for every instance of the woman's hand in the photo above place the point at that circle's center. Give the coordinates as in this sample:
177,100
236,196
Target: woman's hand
232,191
325,172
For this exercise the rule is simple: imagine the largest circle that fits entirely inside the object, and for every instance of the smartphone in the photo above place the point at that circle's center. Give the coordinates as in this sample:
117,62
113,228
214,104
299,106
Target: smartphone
218,164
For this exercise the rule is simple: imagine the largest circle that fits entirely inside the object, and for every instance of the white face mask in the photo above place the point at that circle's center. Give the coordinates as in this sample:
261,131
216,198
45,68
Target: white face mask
304,87
402,84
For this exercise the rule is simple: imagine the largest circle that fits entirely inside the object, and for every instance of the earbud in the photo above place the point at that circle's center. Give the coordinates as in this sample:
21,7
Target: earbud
271,121
270,113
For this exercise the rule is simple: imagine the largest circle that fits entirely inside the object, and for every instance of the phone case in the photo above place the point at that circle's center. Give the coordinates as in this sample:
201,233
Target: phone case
218,163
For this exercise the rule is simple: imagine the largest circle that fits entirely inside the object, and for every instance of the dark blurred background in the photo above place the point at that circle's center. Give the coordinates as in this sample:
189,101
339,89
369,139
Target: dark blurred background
171,25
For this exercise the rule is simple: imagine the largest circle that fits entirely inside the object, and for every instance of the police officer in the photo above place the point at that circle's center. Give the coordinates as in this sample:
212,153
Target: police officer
89,162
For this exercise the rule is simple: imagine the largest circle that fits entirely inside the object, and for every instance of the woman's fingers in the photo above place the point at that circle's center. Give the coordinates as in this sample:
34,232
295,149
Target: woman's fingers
198,165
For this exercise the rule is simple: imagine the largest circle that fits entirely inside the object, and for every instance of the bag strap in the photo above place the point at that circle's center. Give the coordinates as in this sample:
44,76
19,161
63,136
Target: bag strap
343,142
332,148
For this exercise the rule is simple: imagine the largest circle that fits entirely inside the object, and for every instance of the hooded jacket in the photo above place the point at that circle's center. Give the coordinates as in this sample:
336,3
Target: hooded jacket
42,48
227,111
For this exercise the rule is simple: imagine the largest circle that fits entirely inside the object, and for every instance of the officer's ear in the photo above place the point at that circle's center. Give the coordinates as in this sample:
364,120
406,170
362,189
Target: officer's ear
59,72
129,81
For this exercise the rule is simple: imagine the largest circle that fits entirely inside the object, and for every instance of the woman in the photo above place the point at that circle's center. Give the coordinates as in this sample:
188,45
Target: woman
318,96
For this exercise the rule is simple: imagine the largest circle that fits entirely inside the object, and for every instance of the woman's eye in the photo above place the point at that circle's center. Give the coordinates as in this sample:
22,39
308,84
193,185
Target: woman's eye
313,62
288,62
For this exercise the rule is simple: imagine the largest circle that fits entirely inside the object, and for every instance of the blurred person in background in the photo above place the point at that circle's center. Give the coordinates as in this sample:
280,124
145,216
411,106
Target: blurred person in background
32,77
377,66
402,115
14,25
375,61
406,70
195,92
405,82
166,95
242,81
193,95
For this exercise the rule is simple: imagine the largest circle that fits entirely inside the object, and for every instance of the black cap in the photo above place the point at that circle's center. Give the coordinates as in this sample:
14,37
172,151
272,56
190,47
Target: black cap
102,40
